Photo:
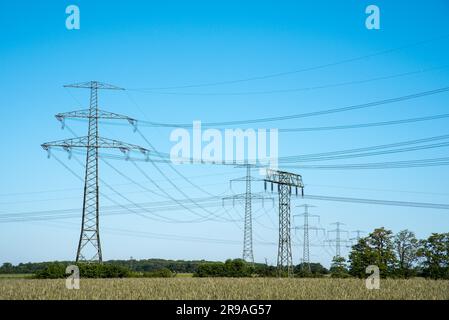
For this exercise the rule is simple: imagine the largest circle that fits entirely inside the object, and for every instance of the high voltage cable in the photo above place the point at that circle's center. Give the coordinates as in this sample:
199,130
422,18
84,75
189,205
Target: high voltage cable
162,190
133,203
120,205
351,153
172,167
306,114
367,125
70,213
313,68
330,128
378,165
176,187
380,202
333,85
367,149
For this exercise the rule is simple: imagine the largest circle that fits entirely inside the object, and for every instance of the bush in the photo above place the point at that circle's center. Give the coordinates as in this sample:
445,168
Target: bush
161,273
52,271
231,268
57,271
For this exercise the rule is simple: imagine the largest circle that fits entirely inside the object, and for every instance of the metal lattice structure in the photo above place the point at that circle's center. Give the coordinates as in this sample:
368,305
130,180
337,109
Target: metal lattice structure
248,198
89,246
285,182
306,227
338,241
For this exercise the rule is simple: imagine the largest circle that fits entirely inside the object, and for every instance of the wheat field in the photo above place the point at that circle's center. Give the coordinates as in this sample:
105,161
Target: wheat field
223,289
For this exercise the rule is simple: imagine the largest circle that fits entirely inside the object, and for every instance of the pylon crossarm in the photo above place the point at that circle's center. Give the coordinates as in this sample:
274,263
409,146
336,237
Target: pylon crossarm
85,114
93,85
83,142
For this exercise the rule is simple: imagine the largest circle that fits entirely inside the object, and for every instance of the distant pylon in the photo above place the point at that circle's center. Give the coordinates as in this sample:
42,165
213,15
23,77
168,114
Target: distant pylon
248,198
338,240
89,247
357,238
285,181
306,239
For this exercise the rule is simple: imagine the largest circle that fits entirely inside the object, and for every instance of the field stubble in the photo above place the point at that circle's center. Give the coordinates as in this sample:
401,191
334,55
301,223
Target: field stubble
223,289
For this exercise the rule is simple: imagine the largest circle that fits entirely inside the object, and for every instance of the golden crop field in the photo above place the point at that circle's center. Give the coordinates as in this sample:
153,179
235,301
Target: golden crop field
223,288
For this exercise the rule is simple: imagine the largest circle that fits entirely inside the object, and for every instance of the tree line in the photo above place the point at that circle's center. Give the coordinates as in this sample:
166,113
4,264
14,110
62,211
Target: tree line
400,255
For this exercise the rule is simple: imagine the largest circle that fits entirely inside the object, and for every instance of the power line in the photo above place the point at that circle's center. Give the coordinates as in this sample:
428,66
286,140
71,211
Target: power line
308,114
302,89
367,125
306,69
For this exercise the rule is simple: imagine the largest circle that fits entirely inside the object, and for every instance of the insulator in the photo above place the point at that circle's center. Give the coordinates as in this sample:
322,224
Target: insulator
265,185
272,187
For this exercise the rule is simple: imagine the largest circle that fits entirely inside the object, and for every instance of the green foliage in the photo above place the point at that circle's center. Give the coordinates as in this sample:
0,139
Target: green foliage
52,271
231,268
435,254
406,246
338,268
316,270
161,273
376,249
57,271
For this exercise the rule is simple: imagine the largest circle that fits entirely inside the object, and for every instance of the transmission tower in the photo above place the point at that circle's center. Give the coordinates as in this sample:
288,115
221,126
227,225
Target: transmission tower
248,198
358,235
306,240
338,240
285,181
89,248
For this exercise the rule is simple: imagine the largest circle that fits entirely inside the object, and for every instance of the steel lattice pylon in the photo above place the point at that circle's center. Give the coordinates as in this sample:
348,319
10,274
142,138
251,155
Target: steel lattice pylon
306,227
248,198
248,228
285,182
89,246
338,240
90,233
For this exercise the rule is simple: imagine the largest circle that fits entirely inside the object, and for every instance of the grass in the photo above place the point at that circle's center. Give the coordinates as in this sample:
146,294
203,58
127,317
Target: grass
16,276
221,288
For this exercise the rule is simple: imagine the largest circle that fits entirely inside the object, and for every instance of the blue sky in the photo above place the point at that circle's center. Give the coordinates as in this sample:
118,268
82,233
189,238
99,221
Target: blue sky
147,44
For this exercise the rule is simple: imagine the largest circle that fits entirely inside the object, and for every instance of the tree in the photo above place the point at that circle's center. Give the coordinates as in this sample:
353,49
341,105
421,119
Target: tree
406,246
435,253
338,268
7,268
316,270
361,256
376,249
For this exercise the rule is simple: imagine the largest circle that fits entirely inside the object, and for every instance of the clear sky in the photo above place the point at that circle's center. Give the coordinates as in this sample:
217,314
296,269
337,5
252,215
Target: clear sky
159,44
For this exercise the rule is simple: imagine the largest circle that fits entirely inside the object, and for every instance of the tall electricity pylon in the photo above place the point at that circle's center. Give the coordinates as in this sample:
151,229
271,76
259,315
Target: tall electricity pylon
306,240
358,235
89,247
357,238
285,181
338,240
248,198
